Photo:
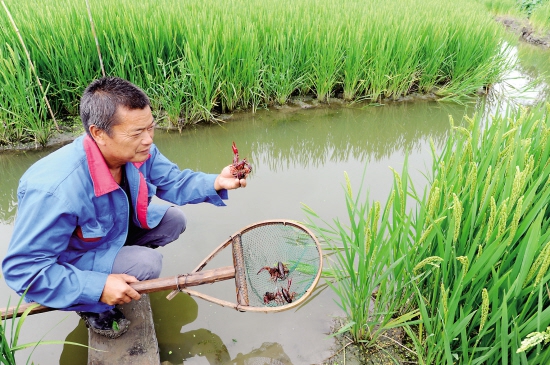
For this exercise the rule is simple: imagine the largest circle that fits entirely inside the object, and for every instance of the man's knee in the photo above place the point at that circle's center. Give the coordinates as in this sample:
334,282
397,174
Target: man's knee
176,219
142,262
171,226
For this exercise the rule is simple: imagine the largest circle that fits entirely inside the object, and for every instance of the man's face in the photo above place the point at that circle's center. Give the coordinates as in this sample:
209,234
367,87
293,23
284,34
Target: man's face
131,138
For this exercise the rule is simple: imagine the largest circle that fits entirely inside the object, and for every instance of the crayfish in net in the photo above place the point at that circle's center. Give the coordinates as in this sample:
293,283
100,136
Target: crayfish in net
280,271
241,168
280,296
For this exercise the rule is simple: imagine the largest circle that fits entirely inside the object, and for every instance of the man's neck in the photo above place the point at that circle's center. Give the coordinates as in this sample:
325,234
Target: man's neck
117,174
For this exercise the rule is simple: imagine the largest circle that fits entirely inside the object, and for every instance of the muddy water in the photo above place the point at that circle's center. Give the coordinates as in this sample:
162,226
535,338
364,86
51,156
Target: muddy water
299,157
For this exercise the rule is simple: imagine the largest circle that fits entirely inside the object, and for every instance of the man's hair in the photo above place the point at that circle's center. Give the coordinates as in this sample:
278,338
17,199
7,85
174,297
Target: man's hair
102,98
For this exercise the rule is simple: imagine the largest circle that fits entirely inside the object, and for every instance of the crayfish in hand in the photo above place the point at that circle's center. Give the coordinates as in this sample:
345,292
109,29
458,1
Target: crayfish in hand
277,272
239,169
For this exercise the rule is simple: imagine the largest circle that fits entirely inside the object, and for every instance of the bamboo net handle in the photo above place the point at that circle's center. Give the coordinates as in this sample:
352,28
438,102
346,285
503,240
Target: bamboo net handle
144,287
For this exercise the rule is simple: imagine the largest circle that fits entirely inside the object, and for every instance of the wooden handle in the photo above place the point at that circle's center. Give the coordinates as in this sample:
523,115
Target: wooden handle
144,287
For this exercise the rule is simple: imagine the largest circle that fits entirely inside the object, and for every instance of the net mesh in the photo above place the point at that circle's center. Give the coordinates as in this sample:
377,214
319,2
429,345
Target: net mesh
281,263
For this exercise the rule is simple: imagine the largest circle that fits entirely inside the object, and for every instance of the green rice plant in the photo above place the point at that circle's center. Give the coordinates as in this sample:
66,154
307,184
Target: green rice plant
23,116
327,57
353,67
283,71
31,65
491,239
502,7
170,96
367,267
243,54
241,64
471,260
9,336
540,17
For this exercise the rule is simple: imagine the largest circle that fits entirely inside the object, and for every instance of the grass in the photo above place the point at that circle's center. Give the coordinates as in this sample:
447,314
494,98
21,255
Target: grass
540,17
471,258
9,336
366,267
211,57
537,11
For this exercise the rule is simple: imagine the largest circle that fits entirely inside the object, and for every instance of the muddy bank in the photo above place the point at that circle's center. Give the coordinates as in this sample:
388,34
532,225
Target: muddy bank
69,133
525,31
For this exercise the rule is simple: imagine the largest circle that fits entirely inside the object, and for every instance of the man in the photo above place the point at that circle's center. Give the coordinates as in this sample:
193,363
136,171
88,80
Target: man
85,228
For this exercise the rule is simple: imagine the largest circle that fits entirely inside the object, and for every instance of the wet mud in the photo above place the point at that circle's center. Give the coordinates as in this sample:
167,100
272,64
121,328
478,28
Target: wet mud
525,31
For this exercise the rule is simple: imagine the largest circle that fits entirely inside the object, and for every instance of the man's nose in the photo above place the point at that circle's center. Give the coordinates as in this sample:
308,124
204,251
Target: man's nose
148,138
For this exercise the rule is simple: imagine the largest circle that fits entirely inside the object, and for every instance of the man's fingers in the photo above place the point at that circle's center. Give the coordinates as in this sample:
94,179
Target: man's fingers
132,294
129,278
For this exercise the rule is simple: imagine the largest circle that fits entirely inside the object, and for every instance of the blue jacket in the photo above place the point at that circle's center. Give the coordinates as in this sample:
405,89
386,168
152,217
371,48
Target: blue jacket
73,219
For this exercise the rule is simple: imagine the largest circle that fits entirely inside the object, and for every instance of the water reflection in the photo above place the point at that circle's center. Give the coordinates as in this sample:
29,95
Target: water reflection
75,354
311,138
363,133
176,345
527,83
304,138
268,353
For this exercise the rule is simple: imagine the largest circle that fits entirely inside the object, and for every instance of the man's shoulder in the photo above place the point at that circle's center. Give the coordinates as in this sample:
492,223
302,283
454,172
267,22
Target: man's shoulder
57,167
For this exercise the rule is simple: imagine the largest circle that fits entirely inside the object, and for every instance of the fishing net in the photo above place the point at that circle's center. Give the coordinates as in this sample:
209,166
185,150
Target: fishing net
276,263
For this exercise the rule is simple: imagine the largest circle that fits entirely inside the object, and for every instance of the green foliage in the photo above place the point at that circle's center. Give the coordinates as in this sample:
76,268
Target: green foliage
473,256
486,210
502,7
9,336
367,262
540,17
210,57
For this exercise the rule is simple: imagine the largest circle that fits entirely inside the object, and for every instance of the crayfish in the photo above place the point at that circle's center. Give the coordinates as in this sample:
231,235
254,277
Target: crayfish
287,294
277,272
281,295
239,169
271,296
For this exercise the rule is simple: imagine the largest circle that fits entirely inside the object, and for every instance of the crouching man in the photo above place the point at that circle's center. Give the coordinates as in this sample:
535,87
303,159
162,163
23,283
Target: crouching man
85,228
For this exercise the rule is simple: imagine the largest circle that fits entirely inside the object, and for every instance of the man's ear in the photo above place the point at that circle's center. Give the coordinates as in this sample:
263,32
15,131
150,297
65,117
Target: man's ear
98,135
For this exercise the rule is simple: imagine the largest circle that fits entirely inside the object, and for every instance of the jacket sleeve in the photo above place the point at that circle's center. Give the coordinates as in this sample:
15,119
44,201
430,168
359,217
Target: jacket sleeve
182,186
43,227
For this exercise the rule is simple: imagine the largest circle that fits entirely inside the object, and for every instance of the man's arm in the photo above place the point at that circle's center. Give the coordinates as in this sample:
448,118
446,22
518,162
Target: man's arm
43,227
186,186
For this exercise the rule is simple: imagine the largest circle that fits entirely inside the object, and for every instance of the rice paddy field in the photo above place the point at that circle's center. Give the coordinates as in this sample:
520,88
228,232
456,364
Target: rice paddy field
198,59
459,266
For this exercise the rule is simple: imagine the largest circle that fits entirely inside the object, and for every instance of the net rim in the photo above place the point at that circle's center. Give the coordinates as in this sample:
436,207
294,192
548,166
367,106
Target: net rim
308,292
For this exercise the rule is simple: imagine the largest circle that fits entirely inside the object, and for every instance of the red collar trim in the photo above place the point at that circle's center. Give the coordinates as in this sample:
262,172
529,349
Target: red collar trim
99,171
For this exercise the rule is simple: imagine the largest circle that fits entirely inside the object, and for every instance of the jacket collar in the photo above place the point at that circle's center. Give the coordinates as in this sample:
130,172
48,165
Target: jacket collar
99,171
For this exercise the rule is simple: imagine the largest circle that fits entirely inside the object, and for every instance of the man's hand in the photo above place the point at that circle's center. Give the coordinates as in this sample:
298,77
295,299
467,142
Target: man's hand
117,290
226,180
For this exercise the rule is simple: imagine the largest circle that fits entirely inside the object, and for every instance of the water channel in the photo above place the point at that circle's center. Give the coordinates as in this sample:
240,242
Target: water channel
299,156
